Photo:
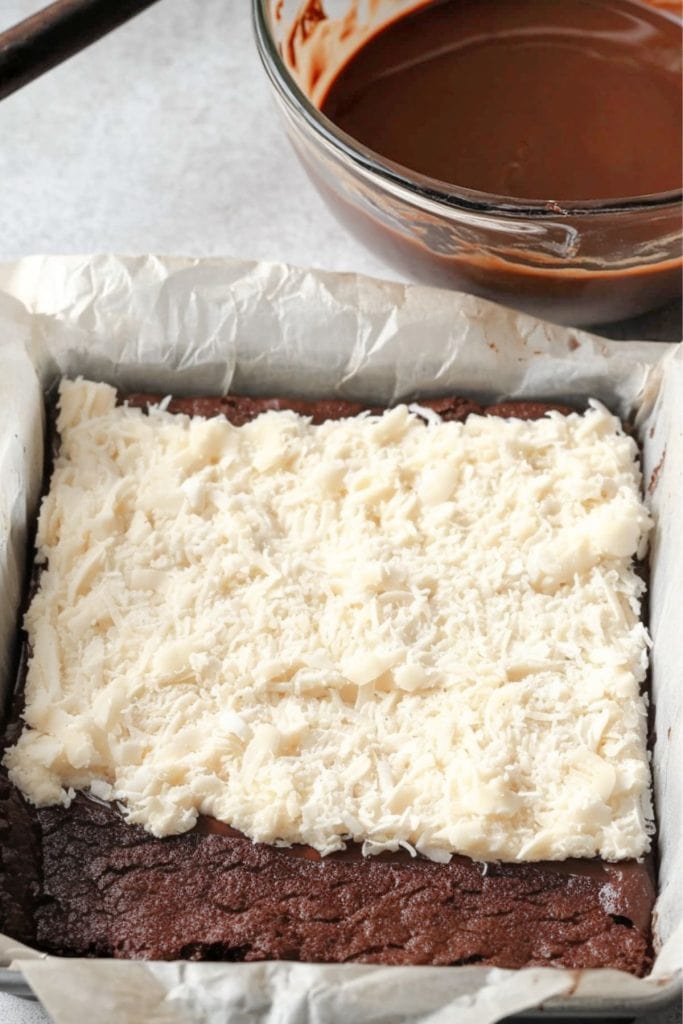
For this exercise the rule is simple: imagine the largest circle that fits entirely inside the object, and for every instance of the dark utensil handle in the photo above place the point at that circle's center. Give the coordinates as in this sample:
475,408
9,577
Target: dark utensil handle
55,33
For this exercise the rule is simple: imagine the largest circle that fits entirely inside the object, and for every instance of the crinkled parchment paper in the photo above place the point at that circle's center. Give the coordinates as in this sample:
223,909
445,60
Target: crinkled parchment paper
204,326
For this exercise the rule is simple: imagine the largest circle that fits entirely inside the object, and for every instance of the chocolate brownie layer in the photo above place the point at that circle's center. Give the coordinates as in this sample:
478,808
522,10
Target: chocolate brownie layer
113,890
81,882
239,409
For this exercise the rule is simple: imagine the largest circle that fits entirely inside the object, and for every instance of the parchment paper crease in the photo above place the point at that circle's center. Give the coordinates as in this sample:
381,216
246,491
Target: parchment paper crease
206,326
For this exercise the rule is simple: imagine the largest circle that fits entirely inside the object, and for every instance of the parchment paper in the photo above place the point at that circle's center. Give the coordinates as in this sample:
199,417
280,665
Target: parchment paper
206,326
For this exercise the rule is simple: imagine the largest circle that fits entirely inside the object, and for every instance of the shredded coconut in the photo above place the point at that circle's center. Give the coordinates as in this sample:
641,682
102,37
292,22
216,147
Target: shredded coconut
376,629
609,898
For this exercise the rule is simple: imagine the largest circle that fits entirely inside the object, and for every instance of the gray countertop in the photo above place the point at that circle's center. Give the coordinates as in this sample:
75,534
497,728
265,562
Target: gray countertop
163,137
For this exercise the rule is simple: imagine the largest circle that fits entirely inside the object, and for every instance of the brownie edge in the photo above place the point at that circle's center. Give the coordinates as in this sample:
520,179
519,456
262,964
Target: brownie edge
113,890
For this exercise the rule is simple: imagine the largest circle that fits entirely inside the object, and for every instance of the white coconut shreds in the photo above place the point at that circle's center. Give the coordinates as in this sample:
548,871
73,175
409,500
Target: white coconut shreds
378,629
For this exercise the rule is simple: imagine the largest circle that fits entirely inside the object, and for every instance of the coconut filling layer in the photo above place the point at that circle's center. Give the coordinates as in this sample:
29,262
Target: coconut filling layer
379,629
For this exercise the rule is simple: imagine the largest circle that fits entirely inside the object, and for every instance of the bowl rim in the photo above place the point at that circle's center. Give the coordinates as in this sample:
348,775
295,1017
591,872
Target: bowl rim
421,186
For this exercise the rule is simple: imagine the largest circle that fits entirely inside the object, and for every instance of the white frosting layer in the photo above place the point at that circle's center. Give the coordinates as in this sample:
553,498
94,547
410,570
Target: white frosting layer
377,629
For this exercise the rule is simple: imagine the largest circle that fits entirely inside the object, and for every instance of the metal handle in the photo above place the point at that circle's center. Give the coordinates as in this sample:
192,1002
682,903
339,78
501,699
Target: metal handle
55,33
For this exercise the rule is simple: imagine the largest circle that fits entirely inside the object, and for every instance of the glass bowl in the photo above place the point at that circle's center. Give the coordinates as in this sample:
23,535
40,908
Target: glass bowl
574,263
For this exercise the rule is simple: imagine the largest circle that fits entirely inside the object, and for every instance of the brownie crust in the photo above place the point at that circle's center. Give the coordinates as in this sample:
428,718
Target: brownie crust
110,889
240,409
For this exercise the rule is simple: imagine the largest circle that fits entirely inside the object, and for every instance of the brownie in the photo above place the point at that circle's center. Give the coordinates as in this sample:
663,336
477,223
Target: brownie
240,409
113,890
81,882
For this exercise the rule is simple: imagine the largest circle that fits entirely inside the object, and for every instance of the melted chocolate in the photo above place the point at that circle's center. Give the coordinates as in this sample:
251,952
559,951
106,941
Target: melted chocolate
534,99
79,881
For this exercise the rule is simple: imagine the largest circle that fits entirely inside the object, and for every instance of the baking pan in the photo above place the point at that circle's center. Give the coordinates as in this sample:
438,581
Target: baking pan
207,326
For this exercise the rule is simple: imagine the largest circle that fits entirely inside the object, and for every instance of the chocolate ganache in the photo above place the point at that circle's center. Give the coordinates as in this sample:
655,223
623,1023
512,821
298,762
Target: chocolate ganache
533,99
